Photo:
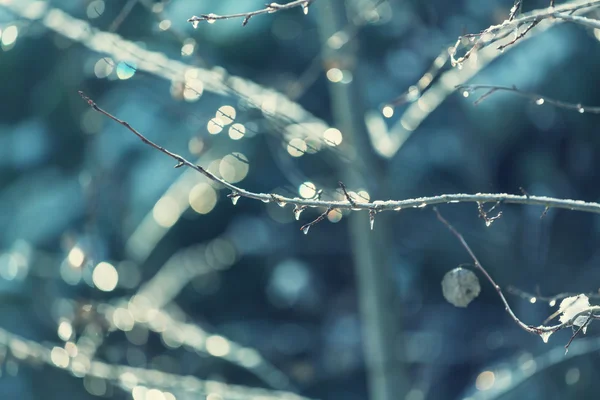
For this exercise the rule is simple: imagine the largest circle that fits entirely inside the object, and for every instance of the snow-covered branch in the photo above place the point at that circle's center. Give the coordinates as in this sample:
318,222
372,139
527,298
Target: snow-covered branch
372,207
475,41
269,9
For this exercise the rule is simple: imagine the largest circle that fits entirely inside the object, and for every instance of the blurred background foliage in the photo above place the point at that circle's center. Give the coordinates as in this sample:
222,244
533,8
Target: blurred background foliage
89,214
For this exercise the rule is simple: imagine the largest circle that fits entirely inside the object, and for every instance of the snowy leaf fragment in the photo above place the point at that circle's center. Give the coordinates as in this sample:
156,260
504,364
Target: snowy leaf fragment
571,306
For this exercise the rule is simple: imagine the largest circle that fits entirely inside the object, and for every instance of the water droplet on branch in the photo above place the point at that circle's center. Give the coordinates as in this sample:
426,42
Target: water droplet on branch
545,336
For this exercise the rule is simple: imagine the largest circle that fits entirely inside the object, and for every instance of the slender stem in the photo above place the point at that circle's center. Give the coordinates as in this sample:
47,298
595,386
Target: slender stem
270,8
528,296
485,273
539,99
538,330
587,321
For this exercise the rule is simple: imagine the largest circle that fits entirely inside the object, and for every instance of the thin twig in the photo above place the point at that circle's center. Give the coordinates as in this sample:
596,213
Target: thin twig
270,8
483,214
585,324
550,299
485,273
519,35
539,99
350,200
515,9
306,227
538,330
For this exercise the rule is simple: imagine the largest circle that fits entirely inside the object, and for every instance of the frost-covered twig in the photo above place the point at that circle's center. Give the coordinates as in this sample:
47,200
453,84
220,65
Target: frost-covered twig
437,84
375,206
270,8
537,98
565,11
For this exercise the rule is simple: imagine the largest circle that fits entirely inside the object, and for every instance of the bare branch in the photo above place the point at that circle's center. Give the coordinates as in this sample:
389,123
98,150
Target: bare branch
485,273
270,8
350,200
483,214
550,299
539,99
582,327
519,35
543,331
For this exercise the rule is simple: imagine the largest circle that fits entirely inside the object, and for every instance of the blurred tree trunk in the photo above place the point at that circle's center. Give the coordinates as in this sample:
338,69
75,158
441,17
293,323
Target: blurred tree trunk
372,250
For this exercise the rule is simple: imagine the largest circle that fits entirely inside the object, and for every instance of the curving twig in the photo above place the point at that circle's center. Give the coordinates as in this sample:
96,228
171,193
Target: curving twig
543,331
270,8
539,99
